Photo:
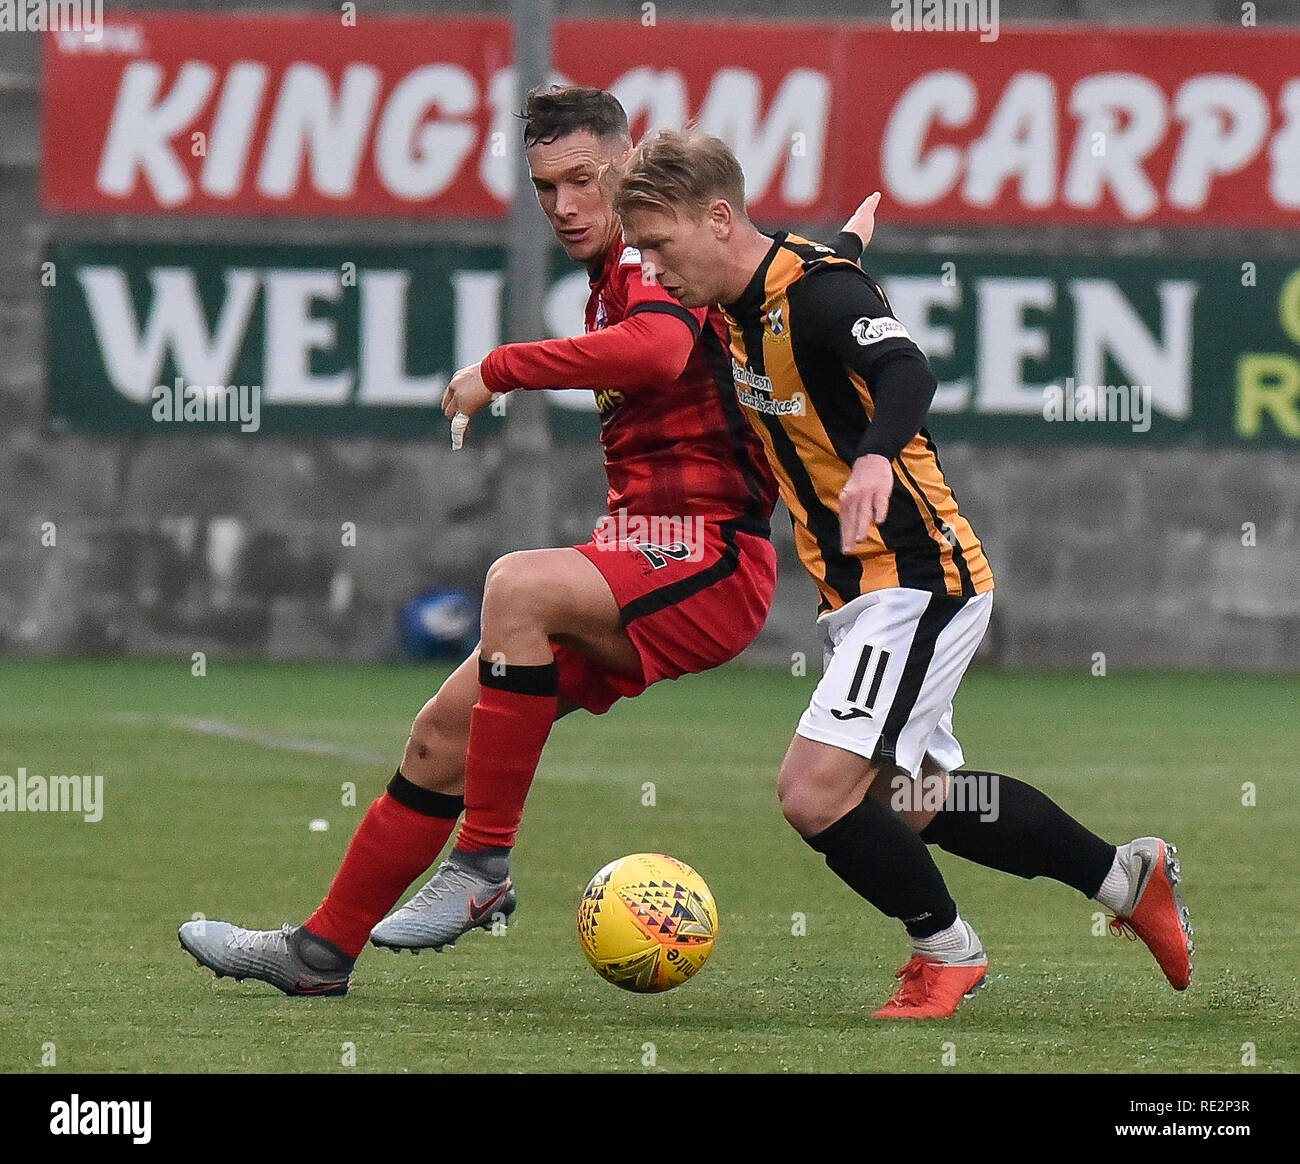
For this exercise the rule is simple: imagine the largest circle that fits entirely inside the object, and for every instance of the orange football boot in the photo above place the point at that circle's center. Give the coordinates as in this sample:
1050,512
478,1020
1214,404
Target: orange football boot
934,989
1156,912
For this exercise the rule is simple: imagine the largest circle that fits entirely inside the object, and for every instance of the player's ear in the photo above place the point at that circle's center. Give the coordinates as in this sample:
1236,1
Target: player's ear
722,219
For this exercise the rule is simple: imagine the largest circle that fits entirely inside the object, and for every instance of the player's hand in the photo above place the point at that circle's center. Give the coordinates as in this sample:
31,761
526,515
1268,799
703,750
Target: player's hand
863,222
466,393
864,500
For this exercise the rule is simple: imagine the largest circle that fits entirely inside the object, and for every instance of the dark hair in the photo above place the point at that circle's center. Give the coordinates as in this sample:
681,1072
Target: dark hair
551,113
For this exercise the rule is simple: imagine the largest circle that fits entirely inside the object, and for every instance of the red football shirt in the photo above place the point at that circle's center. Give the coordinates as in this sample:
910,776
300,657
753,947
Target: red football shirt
676,443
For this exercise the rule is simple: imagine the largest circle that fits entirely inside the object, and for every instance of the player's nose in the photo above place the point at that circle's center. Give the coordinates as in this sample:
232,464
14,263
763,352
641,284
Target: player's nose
566,204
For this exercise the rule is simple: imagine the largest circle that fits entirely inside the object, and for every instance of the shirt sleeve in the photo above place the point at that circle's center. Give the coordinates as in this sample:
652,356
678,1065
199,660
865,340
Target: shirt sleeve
847,245
650,346
848,314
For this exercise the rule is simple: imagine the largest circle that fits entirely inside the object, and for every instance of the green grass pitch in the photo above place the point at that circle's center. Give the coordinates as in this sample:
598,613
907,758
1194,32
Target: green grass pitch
196,821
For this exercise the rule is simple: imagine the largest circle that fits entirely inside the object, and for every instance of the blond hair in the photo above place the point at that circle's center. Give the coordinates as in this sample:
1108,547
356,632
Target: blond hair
671,170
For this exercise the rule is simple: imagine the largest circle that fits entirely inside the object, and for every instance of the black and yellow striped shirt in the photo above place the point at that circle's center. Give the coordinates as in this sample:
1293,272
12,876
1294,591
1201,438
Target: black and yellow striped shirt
808,335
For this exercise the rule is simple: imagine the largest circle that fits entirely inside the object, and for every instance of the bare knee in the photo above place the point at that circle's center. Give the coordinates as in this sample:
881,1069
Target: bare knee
801,806
813,800
435,750
438,727
515,590
819,784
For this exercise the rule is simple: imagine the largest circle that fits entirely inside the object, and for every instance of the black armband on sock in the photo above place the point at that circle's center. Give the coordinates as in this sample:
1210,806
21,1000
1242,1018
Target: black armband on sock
527,679
424,800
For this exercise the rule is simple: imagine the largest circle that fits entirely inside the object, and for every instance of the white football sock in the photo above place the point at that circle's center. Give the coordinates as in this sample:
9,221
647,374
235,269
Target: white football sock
1115,889
951,944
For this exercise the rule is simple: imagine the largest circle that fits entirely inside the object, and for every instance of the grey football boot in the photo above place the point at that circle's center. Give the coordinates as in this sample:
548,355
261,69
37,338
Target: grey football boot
455,900
290,958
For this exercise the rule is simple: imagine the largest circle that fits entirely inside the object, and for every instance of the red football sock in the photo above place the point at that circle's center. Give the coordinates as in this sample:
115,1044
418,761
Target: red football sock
507,731
393,845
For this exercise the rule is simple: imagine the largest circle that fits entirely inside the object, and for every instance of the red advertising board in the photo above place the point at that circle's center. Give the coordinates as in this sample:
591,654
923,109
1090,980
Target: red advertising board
408,117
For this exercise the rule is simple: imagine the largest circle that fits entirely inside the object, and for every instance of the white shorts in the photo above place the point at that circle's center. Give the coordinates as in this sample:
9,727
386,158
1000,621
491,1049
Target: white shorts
893,660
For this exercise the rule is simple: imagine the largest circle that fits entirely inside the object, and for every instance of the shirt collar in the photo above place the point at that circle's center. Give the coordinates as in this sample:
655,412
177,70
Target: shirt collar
612,256
754,295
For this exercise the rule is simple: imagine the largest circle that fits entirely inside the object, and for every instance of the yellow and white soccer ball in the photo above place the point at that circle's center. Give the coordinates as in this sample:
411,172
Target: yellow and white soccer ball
647,922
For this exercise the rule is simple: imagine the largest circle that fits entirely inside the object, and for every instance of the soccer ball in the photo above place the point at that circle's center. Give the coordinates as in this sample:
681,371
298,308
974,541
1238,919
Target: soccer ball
647,922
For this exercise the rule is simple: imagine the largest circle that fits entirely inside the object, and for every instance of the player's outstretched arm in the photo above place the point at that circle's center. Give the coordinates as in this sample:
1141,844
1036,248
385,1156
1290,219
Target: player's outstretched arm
649,348
863,220
857,232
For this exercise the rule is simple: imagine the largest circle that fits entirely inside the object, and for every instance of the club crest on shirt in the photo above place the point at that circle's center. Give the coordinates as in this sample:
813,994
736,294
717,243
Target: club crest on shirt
602,316
775,320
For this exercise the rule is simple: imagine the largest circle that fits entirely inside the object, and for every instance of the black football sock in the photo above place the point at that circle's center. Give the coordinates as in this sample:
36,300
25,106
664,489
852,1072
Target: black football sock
1006,824
873,851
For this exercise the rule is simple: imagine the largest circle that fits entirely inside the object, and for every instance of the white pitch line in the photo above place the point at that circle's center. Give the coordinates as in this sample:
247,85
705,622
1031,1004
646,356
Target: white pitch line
232,731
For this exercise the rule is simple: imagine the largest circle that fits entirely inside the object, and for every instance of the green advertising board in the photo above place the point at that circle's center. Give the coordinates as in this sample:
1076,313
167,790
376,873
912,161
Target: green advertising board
344,340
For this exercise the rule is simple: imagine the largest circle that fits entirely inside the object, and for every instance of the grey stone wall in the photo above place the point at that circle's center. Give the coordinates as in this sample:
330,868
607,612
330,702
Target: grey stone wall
176,544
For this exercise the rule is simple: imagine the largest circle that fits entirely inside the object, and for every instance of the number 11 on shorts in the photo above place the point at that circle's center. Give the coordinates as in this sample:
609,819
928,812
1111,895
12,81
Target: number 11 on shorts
855,709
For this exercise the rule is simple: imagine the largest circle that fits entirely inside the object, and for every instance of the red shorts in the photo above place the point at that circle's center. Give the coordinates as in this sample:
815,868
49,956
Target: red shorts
687,607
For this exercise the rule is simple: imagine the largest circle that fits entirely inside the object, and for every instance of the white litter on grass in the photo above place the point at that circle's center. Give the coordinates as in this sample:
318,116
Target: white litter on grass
319,826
